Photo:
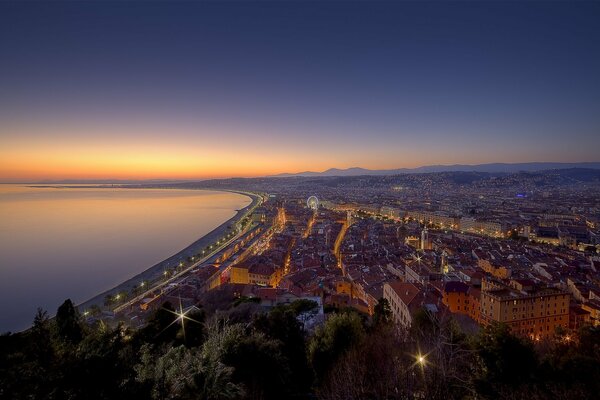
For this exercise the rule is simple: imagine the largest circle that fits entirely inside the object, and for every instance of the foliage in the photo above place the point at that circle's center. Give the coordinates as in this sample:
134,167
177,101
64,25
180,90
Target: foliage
268,355
339,334
382,314
68,323
506,359
282,325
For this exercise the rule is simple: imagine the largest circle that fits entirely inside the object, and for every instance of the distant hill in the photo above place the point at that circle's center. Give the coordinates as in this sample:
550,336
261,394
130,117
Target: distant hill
491,168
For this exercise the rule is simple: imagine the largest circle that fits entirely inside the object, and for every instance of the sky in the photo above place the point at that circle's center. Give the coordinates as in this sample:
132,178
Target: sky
188,90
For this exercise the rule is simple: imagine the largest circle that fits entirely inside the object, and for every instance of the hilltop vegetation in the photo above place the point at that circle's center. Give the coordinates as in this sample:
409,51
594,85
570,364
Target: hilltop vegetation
246,353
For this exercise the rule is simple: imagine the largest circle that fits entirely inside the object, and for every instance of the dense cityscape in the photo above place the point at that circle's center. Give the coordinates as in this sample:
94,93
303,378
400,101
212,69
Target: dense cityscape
303,200
454,285
516,248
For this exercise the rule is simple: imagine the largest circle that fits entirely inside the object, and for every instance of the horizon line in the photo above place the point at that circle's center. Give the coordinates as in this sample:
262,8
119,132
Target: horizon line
109,180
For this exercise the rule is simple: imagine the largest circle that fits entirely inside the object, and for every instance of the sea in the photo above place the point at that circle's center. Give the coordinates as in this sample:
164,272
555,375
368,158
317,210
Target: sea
59,242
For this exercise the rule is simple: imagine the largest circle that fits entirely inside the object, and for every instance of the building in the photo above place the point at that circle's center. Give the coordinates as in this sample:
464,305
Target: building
405,299
462,298
425,240
412,241
392,212
256,274
436,218
417,273
455,297
401,297
489,228
239,274
593,308
578,317
531,312
494,268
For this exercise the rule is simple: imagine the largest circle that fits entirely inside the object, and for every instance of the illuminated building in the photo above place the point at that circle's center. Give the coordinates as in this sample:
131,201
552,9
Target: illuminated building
527,310
425,240
401,297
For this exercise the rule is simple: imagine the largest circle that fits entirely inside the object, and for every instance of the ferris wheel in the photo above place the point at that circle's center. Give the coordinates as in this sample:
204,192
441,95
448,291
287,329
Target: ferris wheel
312,202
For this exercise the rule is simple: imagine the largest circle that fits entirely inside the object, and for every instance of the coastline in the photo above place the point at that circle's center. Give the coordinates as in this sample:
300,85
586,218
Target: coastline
194,248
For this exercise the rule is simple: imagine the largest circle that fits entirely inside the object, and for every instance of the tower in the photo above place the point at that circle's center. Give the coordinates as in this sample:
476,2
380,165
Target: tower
425,241
444,263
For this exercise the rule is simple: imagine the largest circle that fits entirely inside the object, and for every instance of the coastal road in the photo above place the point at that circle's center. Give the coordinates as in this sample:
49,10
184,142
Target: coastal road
180,274
148,293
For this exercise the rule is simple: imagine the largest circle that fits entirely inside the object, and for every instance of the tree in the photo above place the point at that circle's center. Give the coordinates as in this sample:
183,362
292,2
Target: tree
259,364
172,375
302,306
339,334
68,323
508,361
282,324
162,327
192,332
382,313
374,370
40,333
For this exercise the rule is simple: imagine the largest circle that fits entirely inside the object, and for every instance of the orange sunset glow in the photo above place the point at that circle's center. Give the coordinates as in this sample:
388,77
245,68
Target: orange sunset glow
198,150
80,151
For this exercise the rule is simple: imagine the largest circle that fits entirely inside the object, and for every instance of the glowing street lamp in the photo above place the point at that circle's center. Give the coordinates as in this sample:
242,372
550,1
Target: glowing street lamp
421,360
180,317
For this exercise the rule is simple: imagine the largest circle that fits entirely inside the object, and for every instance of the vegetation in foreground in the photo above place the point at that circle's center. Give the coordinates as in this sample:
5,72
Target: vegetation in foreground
247,353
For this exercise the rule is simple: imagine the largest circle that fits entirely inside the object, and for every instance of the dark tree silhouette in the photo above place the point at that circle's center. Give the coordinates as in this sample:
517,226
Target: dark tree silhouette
68,323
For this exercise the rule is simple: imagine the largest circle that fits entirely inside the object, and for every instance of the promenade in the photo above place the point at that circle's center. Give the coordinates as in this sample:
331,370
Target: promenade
155,273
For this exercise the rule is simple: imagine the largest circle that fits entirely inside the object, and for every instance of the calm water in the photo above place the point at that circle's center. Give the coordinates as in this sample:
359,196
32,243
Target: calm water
61,242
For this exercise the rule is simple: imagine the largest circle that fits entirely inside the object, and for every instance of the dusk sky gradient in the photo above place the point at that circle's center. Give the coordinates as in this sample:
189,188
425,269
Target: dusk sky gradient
138,90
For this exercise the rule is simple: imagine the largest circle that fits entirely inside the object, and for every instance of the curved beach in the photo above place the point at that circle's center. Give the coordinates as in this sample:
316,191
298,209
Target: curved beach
156,271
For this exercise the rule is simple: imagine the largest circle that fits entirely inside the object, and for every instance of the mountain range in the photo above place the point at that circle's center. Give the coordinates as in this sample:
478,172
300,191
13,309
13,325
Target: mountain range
491,168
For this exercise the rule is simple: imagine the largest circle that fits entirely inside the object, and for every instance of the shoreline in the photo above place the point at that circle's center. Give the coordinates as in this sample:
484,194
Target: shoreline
192,249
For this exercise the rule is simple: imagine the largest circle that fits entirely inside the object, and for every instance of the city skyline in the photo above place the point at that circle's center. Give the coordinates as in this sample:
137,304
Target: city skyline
204,90
269,199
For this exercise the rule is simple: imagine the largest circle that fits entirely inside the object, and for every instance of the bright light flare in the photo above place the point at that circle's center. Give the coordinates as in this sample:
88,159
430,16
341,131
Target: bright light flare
180,317
420,360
